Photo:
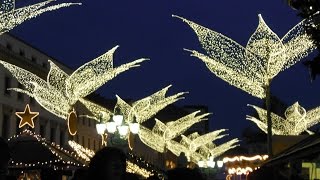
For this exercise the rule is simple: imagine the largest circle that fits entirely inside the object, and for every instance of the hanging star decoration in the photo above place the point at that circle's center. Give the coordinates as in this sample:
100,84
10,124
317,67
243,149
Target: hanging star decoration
10,17
27,117
297,120
161,133
252,68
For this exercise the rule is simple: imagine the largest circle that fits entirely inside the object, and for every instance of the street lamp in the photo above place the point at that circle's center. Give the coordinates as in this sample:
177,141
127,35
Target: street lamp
117,124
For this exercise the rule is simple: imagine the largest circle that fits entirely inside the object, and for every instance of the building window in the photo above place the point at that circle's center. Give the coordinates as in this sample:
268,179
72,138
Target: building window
20,95
94,145
83,141
33,59
61,138
5,126
89,122
52,134
83,120
9,46
44,65
88,143
7,82
76,138
21,52
42,130
17,125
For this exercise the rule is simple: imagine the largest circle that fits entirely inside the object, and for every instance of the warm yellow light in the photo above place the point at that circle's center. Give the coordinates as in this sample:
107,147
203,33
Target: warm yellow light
10,17
60,92
297,120
146,108
251,68
161,134
27,117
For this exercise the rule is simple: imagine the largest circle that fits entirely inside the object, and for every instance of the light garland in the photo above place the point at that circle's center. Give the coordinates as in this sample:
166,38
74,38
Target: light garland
54,149
296,121
60,92
245,158
251,68
147,107
87,154
161,133
11,17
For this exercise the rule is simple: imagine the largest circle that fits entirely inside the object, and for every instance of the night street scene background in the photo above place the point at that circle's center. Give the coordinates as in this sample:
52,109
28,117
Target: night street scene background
146,29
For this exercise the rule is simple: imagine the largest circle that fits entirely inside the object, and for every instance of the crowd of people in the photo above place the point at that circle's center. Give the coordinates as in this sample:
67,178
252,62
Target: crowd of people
107,163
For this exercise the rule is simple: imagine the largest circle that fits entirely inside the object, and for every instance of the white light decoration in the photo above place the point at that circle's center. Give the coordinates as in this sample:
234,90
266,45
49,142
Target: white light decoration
111,127
201,164
252,68
161,133
101,128
198,147
147,107
10,17
296,121
61,91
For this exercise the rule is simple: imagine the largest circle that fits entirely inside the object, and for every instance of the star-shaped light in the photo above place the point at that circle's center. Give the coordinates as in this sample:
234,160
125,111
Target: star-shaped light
27,117
296,121
252,68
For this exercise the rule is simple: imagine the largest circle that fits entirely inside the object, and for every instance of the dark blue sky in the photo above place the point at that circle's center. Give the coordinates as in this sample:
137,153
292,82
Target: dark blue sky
145,28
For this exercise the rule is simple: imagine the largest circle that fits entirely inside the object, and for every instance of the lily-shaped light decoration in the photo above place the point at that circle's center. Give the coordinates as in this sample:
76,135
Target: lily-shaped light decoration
10,17
161,134
252,68
61,91
144,109
297,120
199,148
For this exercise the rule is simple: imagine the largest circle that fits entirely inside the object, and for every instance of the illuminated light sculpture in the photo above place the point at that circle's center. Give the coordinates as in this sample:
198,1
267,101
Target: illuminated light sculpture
27,117
296,121
147,107
11,17
200,148
253,67
161,134
60,92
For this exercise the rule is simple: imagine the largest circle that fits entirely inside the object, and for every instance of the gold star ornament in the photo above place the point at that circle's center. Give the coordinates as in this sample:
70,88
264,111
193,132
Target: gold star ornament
27,117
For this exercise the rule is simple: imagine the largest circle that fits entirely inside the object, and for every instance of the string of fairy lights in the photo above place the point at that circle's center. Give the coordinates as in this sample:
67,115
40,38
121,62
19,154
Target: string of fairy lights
54,149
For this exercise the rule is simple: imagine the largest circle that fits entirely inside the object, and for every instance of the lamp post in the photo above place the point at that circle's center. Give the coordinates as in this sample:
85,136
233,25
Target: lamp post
209,166
117,126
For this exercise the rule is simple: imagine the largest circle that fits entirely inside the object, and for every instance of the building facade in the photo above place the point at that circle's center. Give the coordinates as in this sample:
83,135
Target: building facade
49,126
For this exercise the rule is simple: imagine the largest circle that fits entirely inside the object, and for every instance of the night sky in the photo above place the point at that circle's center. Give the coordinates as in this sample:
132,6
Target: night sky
145,28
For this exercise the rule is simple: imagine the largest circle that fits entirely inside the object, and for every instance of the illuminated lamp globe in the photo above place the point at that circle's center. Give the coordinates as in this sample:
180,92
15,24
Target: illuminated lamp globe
101,128
219,164
201,164
123,130
111,127
134,128
211,163
118,119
